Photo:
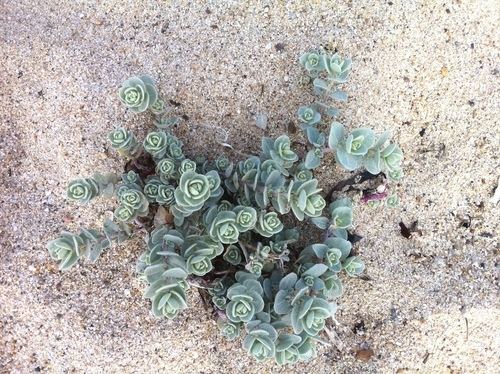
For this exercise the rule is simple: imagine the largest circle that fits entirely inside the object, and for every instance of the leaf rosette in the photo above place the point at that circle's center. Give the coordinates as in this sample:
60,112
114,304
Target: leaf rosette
66,249
155,144
233,255
166,168
192,192
138,93
308,115
167,297
260,340
286,349
224,228
268,224
124,142
245,300
246,218
310,315
83,190
229,330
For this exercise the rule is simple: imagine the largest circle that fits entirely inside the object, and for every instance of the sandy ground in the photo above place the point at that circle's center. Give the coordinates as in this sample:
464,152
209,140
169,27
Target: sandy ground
426,70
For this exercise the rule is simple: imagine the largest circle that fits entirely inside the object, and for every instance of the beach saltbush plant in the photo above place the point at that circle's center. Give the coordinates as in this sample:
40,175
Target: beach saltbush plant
229,227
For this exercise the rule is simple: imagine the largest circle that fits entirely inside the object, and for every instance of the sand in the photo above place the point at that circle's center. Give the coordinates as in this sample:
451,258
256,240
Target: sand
427,71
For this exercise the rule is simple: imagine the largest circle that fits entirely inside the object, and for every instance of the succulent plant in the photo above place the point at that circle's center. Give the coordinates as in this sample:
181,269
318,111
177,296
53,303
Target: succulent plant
305,199
279,151
198,252
133,204
138,93
337,67
230,330
151,188
302,174
260,340
224,228
258,259
313,62
156,144
246,218
187,165
233,255
309,315
268,224
165,194
66,249
287,351
69,247
308,115
245,300
228,228
350,149
158,107
353,266
167,298
391,158
392,201
125,143
192,192
83,190
341,213
166,169
223,165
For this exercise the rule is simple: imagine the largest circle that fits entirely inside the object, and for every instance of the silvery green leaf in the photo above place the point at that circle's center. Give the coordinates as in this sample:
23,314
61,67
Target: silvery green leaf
175,273
353,266
339,95
332,112
371,161
320,85
312,161
301,292
138,93
315,137
346,160
337,134
382,139
321,222
166,123
392,201
288,281
316,270
342,217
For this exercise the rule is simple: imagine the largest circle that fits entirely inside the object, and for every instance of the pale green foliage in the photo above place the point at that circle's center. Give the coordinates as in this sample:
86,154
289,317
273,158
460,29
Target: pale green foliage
229,330
85,189
306,200
220,225
308,115
392,201
260,340
90,243
268,224
158,107
355,149
245,299
125,143
309,315
360,148
138,93
133,202
233,255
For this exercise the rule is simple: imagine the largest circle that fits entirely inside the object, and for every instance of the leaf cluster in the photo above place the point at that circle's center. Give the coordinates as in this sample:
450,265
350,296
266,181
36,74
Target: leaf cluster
227,231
